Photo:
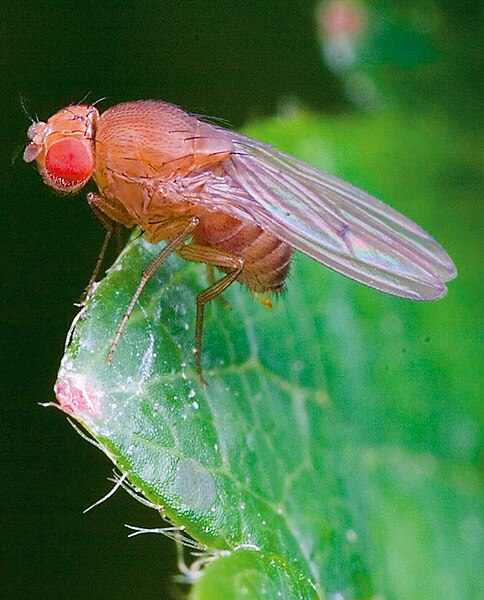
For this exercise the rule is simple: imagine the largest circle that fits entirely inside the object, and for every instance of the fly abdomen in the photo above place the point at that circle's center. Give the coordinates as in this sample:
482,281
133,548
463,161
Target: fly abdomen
266,258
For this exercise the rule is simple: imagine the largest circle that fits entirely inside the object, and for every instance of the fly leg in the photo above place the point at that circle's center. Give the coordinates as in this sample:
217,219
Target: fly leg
107,208
176,231
108,214
211,280
97,266
217,258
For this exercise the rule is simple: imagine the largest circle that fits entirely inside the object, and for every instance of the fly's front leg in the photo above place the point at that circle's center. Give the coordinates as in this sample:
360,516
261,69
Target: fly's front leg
176,231
217,258
108,210
108,213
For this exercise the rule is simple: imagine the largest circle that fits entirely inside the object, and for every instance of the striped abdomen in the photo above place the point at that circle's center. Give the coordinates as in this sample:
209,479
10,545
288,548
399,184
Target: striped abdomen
266,258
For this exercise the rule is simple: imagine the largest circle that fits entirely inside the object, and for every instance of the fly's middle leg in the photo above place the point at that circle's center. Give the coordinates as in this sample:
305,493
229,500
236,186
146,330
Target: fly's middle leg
217,258
176,231
211,280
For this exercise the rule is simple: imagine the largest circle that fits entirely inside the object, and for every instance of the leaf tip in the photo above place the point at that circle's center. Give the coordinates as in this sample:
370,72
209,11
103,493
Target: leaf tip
77,397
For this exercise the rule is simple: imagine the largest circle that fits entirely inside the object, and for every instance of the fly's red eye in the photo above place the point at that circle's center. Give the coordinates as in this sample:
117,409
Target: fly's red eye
69,163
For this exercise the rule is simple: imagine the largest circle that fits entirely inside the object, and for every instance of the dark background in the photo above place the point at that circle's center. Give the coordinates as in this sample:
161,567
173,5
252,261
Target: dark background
233,59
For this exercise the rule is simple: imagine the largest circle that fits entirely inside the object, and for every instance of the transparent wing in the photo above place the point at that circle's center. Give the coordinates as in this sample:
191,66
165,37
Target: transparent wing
328,219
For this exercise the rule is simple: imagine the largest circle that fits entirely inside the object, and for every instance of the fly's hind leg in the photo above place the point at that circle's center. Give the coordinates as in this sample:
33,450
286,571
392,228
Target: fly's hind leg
217,258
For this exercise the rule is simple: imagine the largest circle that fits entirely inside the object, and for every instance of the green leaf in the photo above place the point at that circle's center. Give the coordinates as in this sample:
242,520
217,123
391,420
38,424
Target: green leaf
335,450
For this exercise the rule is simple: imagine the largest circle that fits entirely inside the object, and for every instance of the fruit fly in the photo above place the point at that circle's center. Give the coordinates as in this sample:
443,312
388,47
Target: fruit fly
229,201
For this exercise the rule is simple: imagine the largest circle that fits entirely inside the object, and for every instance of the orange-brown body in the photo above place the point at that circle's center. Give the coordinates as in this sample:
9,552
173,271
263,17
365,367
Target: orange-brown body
145,157
223,199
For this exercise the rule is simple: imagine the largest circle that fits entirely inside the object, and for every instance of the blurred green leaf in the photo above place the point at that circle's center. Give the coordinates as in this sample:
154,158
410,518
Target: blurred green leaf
336,449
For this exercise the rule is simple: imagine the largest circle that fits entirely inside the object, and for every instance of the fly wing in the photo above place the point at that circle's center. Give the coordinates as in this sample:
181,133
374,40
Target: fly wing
328,219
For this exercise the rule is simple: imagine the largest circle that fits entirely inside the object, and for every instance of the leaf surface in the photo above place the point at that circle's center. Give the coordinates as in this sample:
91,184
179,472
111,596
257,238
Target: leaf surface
334,451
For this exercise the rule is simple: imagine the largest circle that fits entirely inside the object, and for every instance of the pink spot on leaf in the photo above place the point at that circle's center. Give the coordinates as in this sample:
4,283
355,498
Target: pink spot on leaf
78,398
